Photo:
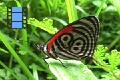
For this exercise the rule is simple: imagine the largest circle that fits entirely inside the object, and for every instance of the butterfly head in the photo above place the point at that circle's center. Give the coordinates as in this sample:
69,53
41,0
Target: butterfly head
40,47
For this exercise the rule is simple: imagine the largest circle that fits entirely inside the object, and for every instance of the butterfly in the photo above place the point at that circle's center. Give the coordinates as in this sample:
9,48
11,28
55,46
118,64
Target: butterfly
75,41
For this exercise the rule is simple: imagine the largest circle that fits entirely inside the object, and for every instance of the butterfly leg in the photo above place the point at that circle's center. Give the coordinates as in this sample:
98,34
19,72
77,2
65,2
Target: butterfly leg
55,59
61,62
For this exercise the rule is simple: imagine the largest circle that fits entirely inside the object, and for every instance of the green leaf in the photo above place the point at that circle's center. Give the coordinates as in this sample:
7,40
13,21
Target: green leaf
15,55
46,24
114,59
70,70
72,12
18,3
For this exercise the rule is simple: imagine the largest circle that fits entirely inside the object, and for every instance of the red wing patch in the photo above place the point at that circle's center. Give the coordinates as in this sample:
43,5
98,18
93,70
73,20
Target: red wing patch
64,30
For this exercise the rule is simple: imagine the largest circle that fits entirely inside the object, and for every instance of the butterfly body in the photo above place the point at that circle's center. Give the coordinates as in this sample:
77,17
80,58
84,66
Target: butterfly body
75,41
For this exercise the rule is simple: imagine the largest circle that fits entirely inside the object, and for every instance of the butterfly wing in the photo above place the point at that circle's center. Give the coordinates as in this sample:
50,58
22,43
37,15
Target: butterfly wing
75,41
